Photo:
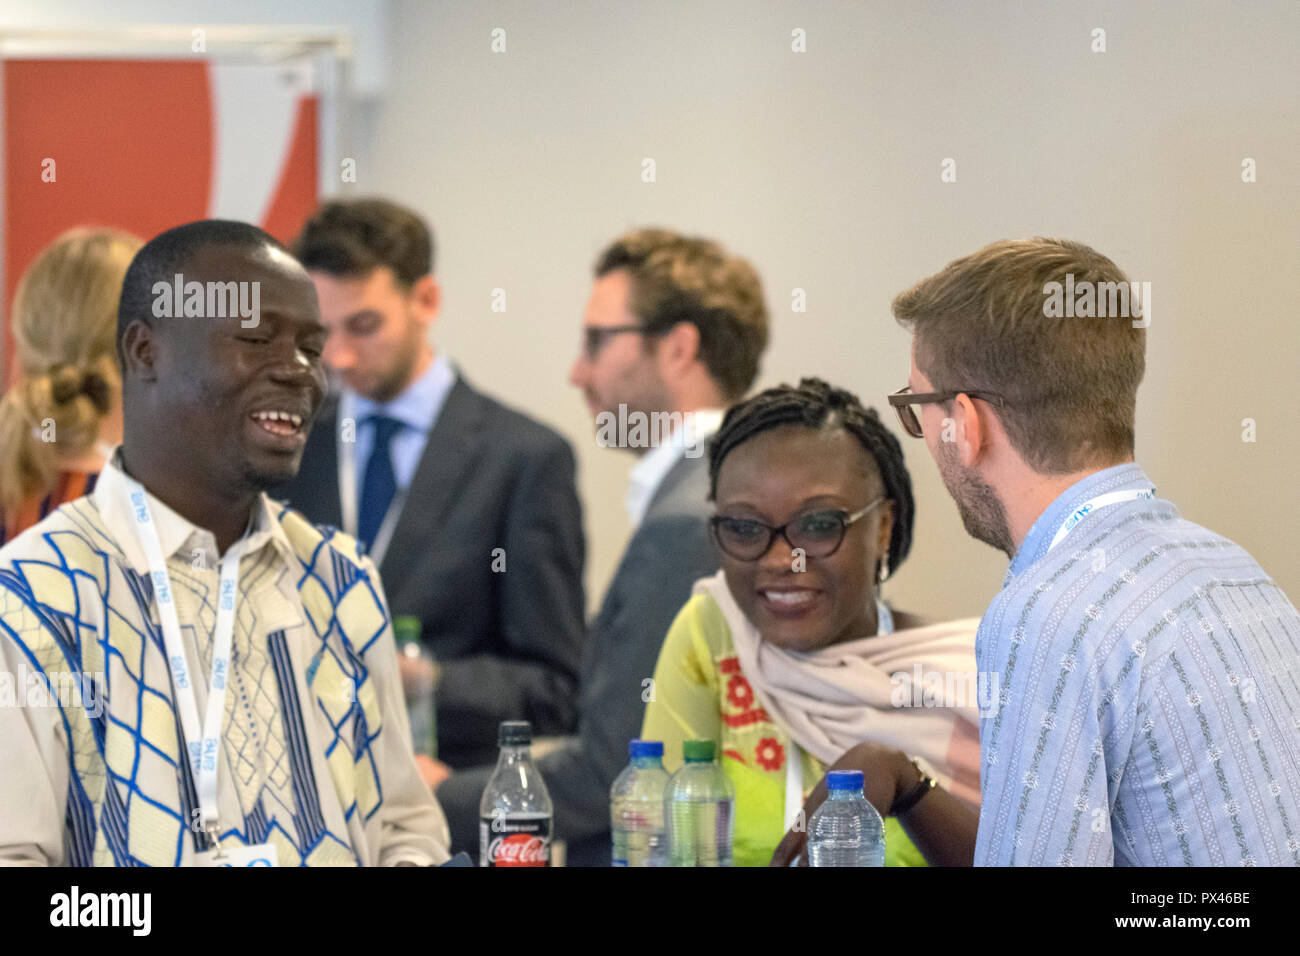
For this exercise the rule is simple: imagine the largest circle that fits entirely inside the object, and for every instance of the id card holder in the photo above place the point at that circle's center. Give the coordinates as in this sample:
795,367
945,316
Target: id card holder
260,854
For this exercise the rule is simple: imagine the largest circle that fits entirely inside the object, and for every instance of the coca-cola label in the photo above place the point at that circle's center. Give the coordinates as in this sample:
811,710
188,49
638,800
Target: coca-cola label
503,841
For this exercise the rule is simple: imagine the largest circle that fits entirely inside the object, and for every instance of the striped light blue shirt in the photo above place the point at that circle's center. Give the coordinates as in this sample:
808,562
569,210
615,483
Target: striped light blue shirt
1148,695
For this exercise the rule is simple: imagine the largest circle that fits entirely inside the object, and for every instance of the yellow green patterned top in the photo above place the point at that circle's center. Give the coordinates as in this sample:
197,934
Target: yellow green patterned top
700,693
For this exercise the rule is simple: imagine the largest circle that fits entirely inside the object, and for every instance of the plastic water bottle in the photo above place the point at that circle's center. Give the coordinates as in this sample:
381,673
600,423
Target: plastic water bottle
846,830
417,685
699,807
515,812
636,807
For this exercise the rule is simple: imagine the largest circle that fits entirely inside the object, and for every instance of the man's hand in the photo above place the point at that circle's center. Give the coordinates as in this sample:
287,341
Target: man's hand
885,770
433,772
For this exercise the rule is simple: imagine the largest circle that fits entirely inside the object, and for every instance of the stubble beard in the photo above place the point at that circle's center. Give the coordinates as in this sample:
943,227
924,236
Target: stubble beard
397,380
981,510
643,394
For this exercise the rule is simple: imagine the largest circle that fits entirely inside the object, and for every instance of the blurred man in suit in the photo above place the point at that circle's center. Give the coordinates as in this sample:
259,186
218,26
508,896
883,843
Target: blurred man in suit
673,333
469,508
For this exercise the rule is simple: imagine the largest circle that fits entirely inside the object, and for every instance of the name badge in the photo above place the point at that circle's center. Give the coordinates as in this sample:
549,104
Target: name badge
260,854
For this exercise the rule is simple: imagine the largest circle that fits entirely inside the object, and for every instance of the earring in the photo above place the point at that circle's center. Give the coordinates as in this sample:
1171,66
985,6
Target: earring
882,570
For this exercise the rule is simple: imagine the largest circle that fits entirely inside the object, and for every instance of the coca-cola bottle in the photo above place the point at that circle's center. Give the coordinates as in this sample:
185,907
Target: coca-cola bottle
515,812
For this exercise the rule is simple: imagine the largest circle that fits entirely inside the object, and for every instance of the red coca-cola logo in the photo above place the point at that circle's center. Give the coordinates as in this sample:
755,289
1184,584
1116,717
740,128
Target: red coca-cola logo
518,849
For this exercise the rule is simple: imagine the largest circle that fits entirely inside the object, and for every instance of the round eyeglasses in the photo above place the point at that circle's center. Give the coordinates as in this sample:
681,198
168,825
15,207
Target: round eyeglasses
818,534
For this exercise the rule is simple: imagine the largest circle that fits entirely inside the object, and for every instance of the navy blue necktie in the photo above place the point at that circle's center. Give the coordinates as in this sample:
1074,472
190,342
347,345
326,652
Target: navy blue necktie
380,483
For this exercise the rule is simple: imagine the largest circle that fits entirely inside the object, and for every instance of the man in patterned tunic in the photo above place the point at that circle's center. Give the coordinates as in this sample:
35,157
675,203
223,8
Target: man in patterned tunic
313,754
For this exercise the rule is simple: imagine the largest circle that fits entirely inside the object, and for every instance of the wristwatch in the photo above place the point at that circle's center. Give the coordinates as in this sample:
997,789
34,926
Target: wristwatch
913,796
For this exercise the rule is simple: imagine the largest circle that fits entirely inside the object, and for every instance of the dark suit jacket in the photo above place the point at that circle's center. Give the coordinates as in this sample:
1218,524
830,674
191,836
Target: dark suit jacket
668,553
509,643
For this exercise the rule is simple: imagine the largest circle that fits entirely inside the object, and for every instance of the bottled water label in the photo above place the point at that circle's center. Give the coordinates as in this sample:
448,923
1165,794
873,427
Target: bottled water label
701,832
639,841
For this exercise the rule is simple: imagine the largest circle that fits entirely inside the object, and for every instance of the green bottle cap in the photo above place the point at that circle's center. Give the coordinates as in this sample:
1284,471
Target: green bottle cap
406,629
697,750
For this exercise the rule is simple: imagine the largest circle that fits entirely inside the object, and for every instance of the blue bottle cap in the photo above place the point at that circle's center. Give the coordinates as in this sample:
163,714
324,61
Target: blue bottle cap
645,748
844,780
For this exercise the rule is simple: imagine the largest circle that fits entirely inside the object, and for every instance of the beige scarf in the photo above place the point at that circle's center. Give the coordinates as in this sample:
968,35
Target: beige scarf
831,699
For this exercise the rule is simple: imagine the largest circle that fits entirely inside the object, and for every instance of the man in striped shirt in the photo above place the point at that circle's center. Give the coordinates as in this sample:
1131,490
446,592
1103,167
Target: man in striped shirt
1148,670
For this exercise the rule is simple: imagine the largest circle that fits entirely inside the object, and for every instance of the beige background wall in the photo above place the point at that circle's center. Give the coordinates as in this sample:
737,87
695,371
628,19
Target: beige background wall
823,168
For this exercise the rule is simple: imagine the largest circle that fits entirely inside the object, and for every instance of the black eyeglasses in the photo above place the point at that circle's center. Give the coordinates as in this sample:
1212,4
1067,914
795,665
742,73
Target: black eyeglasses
818,534
903,400
595,336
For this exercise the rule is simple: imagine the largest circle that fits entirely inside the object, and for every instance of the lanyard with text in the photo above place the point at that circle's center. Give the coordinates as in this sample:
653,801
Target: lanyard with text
1092,504
203,740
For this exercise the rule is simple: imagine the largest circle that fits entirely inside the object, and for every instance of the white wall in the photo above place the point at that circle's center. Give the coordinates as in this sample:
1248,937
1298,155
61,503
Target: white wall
823,168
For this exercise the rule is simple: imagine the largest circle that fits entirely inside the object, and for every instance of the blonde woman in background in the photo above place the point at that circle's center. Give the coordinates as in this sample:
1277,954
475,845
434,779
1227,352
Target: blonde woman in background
62,416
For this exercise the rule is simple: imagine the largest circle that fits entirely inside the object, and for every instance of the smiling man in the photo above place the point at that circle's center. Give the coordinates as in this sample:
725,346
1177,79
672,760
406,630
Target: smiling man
252,710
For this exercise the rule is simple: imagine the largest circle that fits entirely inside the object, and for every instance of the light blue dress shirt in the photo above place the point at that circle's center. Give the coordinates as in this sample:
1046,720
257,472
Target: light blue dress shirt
417,409
1148,710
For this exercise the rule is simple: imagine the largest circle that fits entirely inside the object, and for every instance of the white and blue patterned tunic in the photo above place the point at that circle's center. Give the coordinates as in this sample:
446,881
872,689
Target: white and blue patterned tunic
317,755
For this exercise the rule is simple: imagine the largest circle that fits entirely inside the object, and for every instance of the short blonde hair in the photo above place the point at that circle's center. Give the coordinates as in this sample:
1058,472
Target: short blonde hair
1070,384
64,328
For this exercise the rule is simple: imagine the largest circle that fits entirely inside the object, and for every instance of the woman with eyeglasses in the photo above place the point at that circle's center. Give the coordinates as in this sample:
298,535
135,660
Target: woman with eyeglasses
788,657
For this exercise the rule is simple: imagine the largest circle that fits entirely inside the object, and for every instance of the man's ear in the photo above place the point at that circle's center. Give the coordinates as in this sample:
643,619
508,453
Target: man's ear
426,299
139,344
679,347
971,429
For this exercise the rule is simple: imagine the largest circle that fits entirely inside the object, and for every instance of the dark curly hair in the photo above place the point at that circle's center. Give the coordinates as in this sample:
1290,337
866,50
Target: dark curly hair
815,404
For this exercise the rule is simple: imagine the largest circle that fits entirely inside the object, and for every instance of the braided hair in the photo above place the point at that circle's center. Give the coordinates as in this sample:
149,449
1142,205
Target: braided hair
815,404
